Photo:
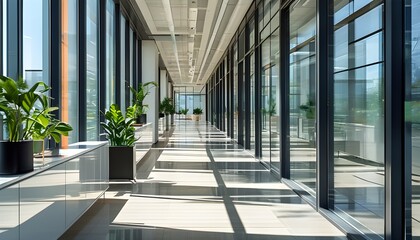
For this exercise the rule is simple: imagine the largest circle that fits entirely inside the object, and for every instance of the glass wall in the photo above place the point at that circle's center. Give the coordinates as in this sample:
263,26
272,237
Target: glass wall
123,62
92,93
235,92
275,95
110,54
270,83
35,41
252,102
358,193
69,69
302,94
265,102
414,116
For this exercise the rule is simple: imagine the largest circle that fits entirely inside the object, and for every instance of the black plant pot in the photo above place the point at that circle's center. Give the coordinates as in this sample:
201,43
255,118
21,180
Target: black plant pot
122,162
161,115
142,119
16,157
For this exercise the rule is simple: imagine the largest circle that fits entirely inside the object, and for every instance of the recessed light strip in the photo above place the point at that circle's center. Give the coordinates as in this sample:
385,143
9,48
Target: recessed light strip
213,36
169,19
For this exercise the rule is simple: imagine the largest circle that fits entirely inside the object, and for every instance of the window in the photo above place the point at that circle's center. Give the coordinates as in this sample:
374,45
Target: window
35,41
302,94
110,54
124,78
69,70
414,112
92,93
358,193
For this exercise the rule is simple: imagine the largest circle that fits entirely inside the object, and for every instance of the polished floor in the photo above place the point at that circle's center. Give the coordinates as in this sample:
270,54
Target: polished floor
198,184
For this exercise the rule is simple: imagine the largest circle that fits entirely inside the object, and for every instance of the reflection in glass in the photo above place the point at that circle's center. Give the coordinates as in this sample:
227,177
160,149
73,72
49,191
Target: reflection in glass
275,102
358,193
415,117
252,87
110,53
266,111
69,70
302,94
35,41
235,93
92,94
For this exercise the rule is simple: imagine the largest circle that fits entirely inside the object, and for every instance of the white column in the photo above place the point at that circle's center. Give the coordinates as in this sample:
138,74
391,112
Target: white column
150,71
163,85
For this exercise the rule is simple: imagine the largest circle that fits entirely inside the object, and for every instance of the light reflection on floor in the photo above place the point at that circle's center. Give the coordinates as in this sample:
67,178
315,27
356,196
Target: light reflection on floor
192,190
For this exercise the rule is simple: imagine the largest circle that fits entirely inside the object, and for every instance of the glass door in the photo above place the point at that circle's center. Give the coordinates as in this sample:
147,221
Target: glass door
302,94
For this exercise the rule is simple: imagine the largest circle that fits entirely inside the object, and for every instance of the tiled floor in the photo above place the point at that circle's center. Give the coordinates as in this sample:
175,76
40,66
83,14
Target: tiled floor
197,184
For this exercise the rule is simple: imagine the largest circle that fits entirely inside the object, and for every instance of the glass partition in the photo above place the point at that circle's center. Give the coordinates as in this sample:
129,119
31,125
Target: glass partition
35,41
358,193
69,70
302,94
414,111
92,58
110,54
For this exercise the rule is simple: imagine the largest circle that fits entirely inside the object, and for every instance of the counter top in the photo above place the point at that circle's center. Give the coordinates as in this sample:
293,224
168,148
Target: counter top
42,164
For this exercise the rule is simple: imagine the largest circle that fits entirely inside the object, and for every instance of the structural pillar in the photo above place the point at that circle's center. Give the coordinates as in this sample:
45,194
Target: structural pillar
150,71
163,85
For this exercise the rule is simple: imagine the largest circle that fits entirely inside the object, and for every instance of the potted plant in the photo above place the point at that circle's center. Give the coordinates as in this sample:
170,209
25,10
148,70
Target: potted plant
138,97
166,108
46,127
172,113
196,113
25,111
119,131
184,112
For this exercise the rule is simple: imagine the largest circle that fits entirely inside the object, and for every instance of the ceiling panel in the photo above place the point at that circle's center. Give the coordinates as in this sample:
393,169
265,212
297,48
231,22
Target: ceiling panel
201,30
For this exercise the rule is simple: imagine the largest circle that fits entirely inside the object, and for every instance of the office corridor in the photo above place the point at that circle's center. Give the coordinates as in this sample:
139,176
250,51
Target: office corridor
198,184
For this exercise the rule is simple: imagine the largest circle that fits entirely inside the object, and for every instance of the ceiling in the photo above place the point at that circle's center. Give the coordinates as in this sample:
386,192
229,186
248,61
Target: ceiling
192,35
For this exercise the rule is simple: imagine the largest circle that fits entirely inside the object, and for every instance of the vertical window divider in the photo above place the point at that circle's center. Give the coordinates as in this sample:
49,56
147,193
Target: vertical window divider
82,69
324,87
284,94
55,57
102,63
397,179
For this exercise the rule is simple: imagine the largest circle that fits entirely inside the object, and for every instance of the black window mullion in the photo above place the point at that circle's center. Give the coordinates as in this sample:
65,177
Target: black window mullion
102,62
284,95
82,70
396,176
55,57
324,88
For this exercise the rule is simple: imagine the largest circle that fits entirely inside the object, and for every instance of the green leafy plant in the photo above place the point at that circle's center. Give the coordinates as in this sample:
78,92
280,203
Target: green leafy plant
197,111
309,109
139,95
172,110
166,106
27,112
119,128
183,111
